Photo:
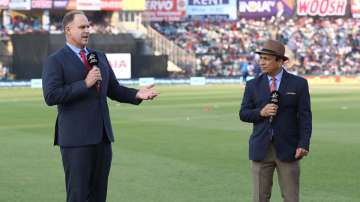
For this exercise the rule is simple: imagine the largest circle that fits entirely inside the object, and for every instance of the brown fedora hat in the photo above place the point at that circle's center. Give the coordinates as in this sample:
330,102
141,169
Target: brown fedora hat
273,47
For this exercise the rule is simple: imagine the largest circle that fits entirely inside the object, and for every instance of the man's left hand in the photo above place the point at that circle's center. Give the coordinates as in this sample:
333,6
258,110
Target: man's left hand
146,93
300,152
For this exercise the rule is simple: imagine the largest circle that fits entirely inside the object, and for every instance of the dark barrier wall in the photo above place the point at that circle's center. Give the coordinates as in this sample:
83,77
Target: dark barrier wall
121,43
31,50
56,41
149,66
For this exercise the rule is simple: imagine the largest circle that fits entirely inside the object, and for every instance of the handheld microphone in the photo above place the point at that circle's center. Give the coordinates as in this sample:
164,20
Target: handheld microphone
93,61
274,99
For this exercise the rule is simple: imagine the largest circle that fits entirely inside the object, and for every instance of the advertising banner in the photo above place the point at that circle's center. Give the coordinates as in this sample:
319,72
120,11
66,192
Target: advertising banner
96,5
64,4
315,80
212,7
169,10
4,4
60,4
41,4
87,5
265,8
197,81
20,4
355,8
36,83
120,64
144,81
133,5
111,5
321,7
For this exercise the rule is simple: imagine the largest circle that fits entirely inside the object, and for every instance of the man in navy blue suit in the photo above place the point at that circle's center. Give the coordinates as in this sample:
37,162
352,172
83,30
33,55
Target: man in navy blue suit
281,131
83,129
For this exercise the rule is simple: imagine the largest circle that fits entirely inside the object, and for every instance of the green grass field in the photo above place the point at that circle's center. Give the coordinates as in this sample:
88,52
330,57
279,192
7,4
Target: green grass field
187,146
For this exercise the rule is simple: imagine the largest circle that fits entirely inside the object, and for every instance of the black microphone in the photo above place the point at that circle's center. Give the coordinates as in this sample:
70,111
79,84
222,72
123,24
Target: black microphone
274,99
93,61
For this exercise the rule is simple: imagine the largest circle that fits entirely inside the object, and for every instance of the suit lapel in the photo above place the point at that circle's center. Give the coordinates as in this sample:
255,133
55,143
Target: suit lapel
282,89
266,85
283,82
77,61
263,88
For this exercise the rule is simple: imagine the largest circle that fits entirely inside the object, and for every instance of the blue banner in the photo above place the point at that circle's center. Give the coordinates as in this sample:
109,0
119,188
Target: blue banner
265,8
207,2
212,7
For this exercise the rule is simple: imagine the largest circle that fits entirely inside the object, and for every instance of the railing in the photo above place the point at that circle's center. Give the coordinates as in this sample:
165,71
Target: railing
177,55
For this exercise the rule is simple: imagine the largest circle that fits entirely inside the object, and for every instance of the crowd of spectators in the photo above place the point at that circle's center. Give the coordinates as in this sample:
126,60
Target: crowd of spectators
22,24
226,48
329,46
98,24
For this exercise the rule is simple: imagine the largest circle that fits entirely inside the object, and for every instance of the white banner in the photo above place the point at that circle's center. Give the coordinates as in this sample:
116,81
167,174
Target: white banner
36,83
144,81
86,5
4,4
355,8
212,7
121,64
321,7
20,4
197,81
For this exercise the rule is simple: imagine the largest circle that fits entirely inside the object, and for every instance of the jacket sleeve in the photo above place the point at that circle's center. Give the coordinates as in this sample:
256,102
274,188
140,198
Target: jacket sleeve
248,111
118,92
55,90
304,116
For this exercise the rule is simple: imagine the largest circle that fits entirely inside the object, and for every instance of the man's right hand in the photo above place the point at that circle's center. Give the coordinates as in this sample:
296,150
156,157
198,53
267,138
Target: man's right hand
93,76
269,110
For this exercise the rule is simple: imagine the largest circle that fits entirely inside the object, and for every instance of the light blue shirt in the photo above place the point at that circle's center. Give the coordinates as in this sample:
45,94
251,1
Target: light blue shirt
277,79
76,50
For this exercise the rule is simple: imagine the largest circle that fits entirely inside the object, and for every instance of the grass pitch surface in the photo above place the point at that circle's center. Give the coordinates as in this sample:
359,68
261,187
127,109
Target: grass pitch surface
186,146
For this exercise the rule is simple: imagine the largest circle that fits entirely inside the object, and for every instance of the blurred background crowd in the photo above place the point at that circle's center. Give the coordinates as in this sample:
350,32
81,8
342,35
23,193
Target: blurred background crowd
220,44
226,48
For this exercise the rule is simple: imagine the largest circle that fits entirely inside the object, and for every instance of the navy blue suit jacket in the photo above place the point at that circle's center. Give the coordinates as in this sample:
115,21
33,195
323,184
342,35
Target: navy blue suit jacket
83,114
292,125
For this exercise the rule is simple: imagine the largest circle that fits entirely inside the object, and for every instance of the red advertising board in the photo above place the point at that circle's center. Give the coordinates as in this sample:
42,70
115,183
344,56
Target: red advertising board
41,4
321,7
111,5
169,10
93,5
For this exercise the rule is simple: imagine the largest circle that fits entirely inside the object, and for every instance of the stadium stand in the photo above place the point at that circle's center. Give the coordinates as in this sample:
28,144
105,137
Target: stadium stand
316,46
209,45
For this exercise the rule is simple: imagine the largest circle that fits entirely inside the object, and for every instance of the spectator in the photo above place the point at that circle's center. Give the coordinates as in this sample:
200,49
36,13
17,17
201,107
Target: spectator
317,46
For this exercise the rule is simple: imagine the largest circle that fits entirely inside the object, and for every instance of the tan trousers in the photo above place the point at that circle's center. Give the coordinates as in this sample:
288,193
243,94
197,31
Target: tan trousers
262,175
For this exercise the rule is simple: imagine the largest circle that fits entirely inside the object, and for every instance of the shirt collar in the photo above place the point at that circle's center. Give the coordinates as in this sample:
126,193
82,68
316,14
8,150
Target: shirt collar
277,77
75,49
